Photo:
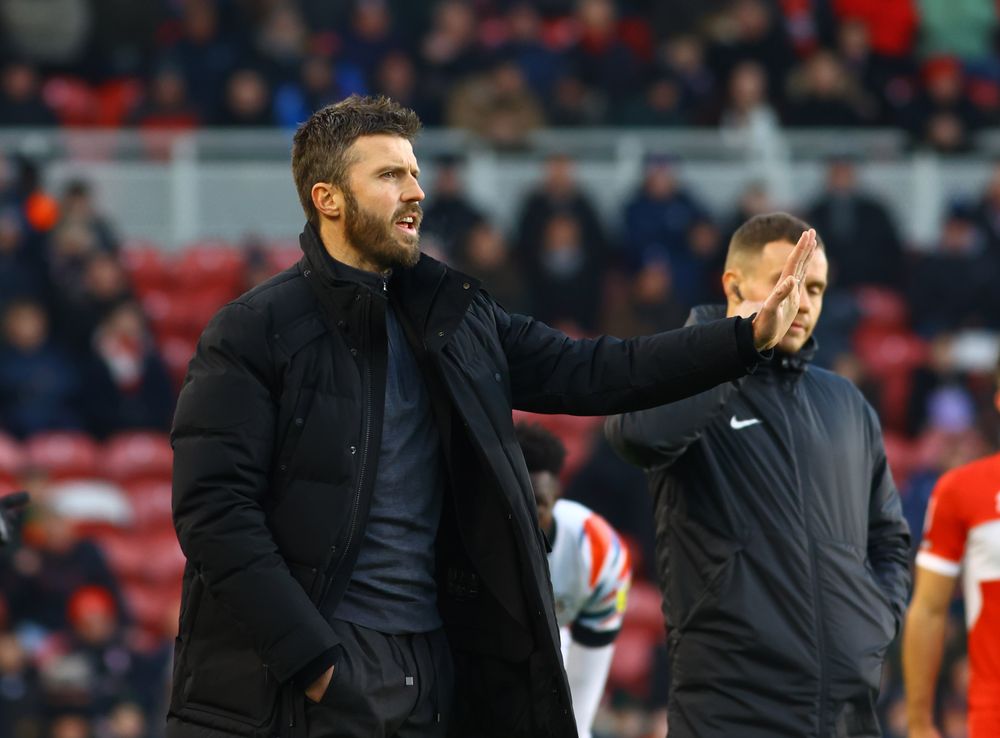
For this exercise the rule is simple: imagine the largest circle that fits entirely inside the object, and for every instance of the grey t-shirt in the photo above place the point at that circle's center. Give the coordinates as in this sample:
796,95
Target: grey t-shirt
392,589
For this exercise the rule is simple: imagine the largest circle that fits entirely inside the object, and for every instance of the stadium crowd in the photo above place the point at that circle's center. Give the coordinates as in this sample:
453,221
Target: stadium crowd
503,68
95,334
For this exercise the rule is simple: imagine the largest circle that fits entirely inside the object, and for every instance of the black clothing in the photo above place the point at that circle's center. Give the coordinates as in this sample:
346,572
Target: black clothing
781,550
385,685
392,587
276,438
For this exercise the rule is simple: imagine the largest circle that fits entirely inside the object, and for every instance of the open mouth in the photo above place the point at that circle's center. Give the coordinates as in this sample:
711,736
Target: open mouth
407,223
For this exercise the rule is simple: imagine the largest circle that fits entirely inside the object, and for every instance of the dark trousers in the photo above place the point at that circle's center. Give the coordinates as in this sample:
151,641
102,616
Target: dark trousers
385,686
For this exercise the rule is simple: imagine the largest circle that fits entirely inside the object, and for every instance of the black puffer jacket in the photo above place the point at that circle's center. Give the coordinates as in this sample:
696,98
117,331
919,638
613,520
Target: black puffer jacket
781,549
276,438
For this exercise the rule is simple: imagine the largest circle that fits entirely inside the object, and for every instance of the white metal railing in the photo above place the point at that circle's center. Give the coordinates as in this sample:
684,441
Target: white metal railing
172,188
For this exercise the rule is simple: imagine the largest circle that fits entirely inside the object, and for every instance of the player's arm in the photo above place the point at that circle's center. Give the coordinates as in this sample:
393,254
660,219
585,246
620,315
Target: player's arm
587,670
923,642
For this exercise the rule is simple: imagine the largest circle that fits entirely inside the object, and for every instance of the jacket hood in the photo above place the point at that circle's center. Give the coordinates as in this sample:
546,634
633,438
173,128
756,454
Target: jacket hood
780,362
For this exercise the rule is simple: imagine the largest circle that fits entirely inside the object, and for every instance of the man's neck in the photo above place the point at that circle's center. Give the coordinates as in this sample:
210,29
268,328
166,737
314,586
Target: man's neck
342,250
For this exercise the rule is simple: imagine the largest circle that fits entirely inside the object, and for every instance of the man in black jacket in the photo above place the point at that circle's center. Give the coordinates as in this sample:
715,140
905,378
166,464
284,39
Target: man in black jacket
781,546
364,557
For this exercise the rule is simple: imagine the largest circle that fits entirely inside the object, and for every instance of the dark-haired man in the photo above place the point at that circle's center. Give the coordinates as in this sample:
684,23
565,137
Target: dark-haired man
781,546
590,570
364,557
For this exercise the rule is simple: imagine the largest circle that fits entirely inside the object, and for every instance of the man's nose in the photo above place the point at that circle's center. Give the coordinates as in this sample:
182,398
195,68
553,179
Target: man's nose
413,192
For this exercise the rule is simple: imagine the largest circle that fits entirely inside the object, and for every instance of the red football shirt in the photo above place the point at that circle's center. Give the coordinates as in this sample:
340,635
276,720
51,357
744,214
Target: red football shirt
962,536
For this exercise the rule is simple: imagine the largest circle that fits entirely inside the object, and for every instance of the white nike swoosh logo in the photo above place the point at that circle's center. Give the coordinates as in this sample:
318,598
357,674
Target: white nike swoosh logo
741,424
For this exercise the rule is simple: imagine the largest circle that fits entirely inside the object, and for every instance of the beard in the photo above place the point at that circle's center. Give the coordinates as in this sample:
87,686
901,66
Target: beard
382,242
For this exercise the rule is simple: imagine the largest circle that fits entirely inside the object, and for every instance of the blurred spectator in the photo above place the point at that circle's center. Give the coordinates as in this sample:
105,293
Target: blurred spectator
943,116
20,695
486,255
822,93
953,286
23,272
247,101
707,249
322,81
540,65
89,666
652,304
101,288
39,385
558,193
396,77
71,247
575,104
658,217
204,53
860,237
498,106
751,31
566,279
449,52
41,577
682,58
891,24
127,720
962,28
600,58
660,105
748,120
370,37
449,215
166,106
280,43
70,724
77,206
128,387
21,101
755,199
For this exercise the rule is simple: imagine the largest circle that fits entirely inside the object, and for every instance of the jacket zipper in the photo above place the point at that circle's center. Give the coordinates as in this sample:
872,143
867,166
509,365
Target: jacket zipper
817,592
364,449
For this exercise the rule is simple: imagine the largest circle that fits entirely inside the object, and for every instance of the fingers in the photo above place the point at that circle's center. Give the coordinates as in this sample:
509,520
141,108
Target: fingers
781,290
798,259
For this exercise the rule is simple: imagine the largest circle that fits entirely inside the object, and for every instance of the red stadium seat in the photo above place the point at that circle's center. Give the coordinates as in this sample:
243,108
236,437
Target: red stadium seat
883,307
177,352
210,265
138,455
64,454
12,456
283,255
148,268
151,506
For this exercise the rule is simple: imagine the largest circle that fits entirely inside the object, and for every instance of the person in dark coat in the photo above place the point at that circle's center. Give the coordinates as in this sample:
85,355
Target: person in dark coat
782,550
363,551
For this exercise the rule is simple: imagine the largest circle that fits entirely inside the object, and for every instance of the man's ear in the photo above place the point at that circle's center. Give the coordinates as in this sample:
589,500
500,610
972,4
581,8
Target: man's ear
328,199
731,286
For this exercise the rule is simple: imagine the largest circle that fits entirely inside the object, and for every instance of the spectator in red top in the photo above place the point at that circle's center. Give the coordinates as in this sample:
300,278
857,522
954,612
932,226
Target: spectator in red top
892,24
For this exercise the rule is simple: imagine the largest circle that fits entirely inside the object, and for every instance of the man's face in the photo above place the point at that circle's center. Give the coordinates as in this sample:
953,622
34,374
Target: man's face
546,487
382,211
759,276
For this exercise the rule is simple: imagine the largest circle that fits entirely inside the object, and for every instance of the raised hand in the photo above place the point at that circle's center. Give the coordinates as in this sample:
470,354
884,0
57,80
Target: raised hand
778,312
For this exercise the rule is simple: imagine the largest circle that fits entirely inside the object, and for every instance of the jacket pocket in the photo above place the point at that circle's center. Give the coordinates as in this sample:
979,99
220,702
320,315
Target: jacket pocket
222,674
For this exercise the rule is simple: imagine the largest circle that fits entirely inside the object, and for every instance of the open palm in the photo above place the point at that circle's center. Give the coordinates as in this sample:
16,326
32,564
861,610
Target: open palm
778,312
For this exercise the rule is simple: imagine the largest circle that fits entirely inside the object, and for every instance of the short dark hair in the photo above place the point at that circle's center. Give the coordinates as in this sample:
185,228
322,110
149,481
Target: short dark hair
760,230
319,148
543,451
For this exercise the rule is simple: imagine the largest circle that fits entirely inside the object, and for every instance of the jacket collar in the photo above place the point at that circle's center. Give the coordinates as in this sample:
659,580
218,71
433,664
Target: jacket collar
434,295
781,362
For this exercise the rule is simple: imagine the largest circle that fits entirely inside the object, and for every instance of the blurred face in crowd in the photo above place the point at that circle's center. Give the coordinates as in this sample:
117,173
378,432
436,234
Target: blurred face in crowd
654,283
485,247
841,177
10,232
247,94
26,327
747,86
547,491
660,180
397,77
756,276
104,277
70,726
559,176
381,210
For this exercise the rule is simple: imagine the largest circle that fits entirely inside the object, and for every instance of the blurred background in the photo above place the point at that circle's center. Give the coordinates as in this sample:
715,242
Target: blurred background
588,159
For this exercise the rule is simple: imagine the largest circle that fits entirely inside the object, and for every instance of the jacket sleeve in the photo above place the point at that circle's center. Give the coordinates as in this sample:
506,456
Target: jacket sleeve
888,532
223,438
553,373
659,436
